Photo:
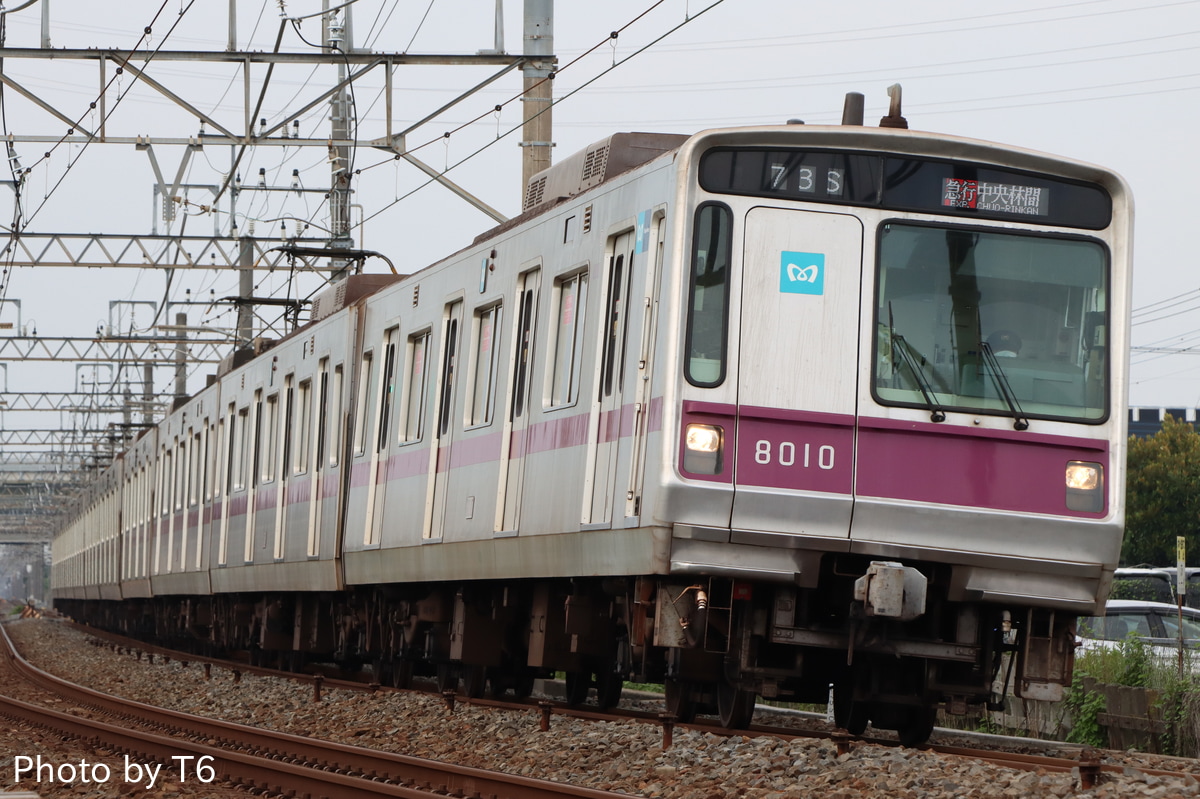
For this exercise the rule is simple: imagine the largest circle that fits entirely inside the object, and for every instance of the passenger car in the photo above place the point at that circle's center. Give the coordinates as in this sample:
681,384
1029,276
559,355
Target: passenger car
1155,623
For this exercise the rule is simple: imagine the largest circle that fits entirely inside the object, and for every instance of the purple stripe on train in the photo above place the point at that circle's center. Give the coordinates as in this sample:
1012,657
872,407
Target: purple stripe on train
995,469
798,450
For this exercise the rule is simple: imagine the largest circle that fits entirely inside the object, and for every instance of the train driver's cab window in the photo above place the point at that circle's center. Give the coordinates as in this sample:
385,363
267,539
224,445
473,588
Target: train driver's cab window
570,300
985,321
708,296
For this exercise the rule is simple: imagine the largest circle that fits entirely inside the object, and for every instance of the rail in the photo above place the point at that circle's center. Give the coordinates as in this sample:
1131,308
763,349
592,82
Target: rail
265,760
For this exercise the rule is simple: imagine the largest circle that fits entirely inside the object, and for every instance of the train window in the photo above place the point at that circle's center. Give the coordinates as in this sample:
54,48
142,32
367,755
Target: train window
268,455
387,388
416,357
322,410
989,321
570,296
614,323
256,446
179,491
237,448
195,475
526,326
285,432
335,416
487,321
449,364
164,482
220,482
304,430
360,411
206,482
708,300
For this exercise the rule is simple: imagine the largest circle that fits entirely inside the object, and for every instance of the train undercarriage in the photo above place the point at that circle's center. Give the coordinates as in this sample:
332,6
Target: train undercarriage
715,644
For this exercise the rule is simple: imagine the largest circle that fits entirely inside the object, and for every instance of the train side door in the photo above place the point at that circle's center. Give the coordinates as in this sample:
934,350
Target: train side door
642,391
255,471
320,427
441,442
284,473
607,409
513,443
797,369
380,449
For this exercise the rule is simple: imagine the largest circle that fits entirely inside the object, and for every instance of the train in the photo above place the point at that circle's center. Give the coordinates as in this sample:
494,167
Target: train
783,411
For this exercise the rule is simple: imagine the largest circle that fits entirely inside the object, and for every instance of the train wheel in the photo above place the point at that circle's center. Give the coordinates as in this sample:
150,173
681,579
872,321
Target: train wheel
402,673
848,714
523,687
680,700
734,705
474,681
608,689
917,726
447,678
578,683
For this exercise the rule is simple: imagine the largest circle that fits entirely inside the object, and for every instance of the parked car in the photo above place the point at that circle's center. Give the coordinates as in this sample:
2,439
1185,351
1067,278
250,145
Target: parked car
1156,584
1155,623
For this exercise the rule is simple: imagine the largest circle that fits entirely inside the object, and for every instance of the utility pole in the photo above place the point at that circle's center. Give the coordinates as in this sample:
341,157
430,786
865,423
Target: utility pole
233,244
181,355
338,40
539,89
245,311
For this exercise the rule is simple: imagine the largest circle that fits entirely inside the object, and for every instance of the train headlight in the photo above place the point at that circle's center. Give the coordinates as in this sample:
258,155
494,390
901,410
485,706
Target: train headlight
1085,486
702,448
703,438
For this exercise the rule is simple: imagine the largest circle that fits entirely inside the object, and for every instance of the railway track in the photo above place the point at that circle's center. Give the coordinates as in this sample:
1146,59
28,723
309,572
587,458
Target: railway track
1089,763
261,760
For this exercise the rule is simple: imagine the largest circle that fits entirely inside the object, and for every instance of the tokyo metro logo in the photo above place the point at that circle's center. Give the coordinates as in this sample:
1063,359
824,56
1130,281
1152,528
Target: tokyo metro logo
802,273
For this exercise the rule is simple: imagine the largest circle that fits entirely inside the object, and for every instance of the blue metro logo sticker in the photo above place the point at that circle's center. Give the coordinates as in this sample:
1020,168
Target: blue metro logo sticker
802,273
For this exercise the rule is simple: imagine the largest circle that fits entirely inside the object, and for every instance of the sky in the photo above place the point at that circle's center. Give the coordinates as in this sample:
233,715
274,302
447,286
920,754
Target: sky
1114,82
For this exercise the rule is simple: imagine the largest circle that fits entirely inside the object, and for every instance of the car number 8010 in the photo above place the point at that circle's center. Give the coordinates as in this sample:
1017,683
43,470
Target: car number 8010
785,455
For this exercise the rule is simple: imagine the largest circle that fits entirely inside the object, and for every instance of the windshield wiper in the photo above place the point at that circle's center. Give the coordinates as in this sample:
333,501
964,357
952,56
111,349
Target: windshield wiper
1002,386
936,414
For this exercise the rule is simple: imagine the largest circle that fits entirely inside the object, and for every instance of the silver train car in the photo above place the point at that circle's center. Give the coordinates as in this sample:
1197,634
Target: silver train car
754,412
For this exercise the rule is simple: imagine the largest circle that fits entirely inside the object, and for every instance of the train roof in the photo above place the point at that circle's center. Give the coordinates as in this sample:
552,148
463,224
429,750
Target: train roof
597,163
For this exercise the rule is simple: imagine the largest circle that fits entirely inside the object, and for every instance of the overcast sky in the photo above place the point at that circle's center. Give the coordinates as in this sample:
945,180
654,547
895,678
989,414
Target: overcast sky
1109,81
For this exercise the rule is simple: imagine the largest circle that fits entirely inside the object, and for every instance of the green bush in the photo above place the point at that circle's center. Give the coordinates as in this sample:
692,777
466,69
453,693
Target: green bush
1085,707
1134,664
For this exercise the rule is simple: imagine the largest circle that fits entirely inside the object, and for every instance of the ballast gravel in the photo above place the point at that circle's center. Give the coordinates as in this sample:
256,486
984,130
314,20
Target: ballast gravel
626,756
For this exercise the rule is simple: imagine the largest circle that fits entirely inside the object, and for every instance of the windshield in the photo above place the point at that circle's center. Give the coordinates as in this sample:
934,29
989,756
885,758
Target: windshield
992,322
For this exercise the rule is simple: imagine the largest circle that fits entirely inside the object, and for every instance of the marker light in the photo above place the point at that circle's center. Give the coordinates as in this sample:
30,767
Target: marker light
1085,486
702,449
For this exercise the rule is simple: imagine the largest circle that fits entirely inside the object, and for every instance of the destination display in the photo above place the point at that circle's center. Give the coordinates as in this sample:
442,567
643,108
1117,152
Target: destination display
905,183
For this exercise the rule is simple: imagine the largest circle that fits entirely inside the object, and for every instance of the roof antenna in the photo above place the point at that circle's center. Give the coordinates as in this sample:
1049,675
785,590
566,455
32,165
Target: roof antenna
852,111
894,119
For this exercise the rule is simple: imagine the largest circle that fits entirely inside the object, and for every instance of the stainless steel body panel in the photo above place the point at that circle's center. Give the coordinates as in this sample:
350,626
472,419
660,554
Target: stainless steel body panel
592,553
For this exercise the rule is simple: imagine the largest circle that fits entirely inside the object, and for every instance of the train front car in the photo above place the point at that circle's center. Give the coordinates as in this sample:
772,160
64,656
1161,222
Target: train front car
901,423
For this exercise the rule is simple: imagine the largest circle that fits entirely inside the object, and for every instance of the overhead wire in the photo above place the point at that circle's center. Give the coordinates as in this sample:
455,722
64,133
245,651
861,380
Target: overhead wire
420,24
969,67
974,24
9,251
555,102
